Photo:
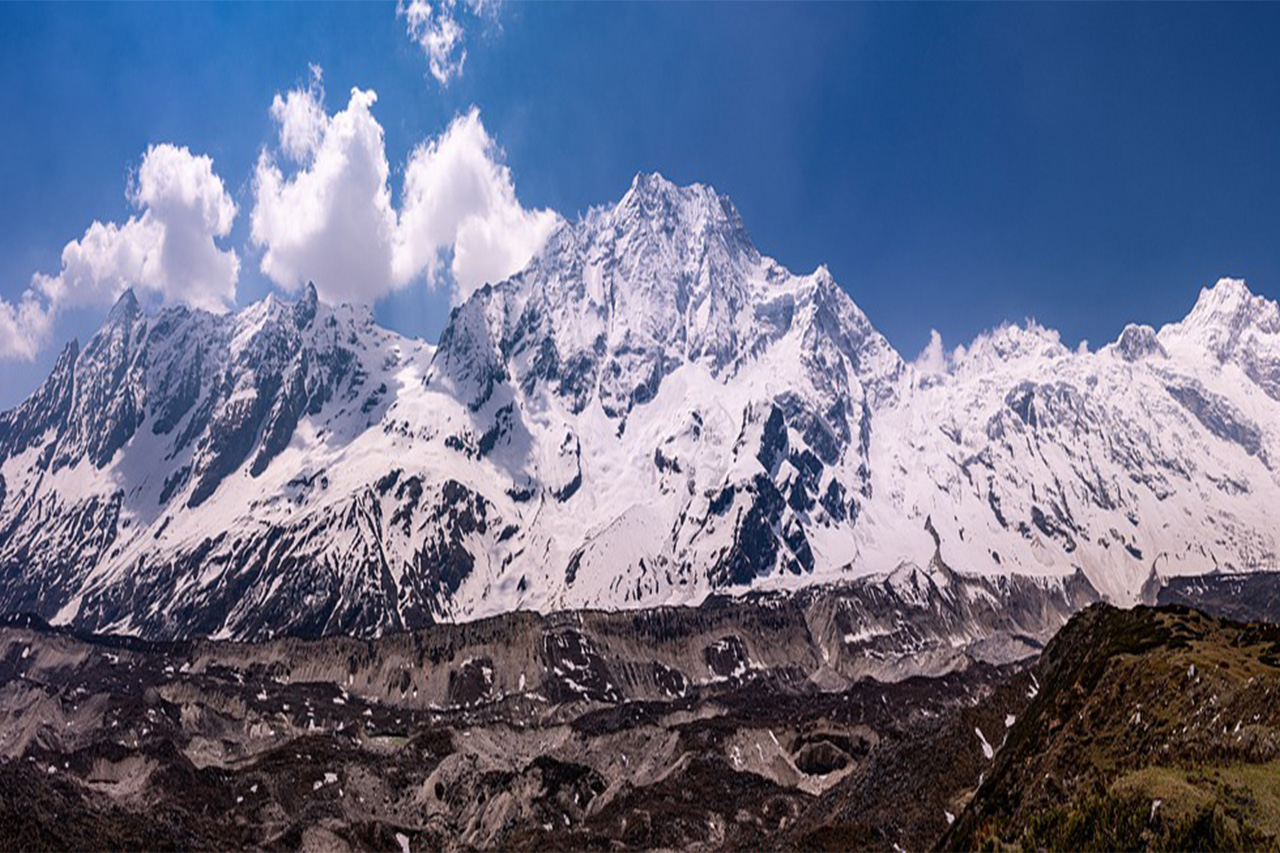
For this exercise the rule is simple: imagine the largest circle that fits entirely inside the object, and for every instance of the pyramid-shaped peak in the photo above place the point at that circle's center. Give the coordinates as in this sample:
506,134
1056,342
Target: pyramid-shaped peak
126,307
654,203
1230,303
305,309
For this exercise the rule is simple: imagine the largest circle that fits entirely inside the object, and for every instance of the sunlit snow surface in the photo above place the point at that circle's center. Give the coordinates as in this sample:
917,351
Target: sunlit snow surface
650,412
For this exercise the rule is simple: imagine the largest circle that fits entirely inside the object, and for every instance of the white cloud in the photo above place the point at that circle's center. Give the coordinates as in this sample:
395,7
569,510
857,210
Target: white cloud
332,220
436,27
166,252
300,114
459,197
932,360
181,194
24,328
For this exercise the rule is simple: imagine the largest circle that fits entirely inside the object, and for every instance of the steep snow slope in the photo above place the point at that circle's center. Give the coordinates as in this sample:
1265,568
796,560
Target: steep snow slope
1152,455
649,412
667,406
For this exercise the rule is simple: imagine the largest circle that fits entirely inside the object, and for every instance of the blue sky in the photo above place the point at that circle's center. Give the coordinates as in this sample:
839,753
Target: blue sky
954,166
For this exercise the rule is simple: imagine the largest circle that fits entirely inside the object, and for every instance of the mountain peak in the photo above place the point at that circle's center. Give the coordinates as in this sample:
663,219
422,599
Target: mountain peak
1007,343
651,182
690,216
656,197
1230,303
1137,342
1223,316
653,185
304,311
650,192
126,307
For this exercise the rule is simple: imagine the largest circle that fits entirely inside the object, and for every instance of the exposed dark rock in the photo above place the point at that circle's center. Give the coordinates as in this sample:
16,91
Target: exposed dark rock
1218,416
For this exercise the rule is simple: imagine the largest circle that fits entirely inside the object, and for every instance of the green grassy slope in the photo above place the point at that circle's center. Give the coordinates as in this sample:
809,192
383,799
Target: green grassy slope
1152,729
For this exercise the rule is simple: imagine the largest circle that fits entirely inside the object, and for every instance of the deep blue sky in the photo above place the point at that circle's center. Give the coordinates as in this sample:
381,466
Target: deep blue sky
954,165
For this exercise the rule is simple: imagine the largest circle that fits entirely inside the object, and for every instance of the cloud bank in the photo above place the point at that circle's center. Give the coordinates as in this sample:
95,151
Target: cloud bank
167,252
322,212
331,221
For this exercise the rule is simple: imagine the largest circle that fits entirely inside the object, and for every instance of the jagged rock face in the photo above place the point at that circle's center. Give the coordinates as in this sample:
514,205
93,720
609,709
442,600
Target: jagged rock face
29,424
130,438
650,412
1138,342
1150,457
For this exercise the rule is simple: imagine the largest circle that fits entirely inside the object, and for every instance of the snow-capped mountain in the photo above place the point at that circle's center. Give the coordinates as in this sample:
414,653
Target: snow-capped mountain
651,411
1150,457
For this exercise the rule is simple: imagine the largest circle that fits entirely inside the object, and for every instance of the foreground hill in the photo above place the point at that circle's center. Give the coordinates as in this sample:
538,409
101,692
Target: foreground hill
1150,728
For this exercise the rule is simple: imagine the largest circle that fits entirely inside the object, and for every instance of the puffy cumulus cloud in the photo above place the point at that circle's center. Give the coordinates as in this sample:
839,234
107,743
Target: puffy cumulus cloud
188,206
24,328
436,27
300,114
932,360
167,252
332,220
459,199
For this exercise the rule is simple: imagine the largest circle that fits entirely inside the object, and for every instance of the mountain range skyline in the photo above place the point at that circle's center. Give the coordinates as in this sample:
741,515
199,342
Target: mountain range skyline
651,412
467,424
935,355
994,196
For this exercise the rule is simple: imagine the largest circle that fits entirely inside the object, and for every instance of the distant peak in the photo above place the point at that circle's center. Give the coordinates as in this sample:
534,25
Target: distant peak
126,307
651,181
1009,342
1230,306
1138,342
1225,299
652,186
1235,287
305,309
653,201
